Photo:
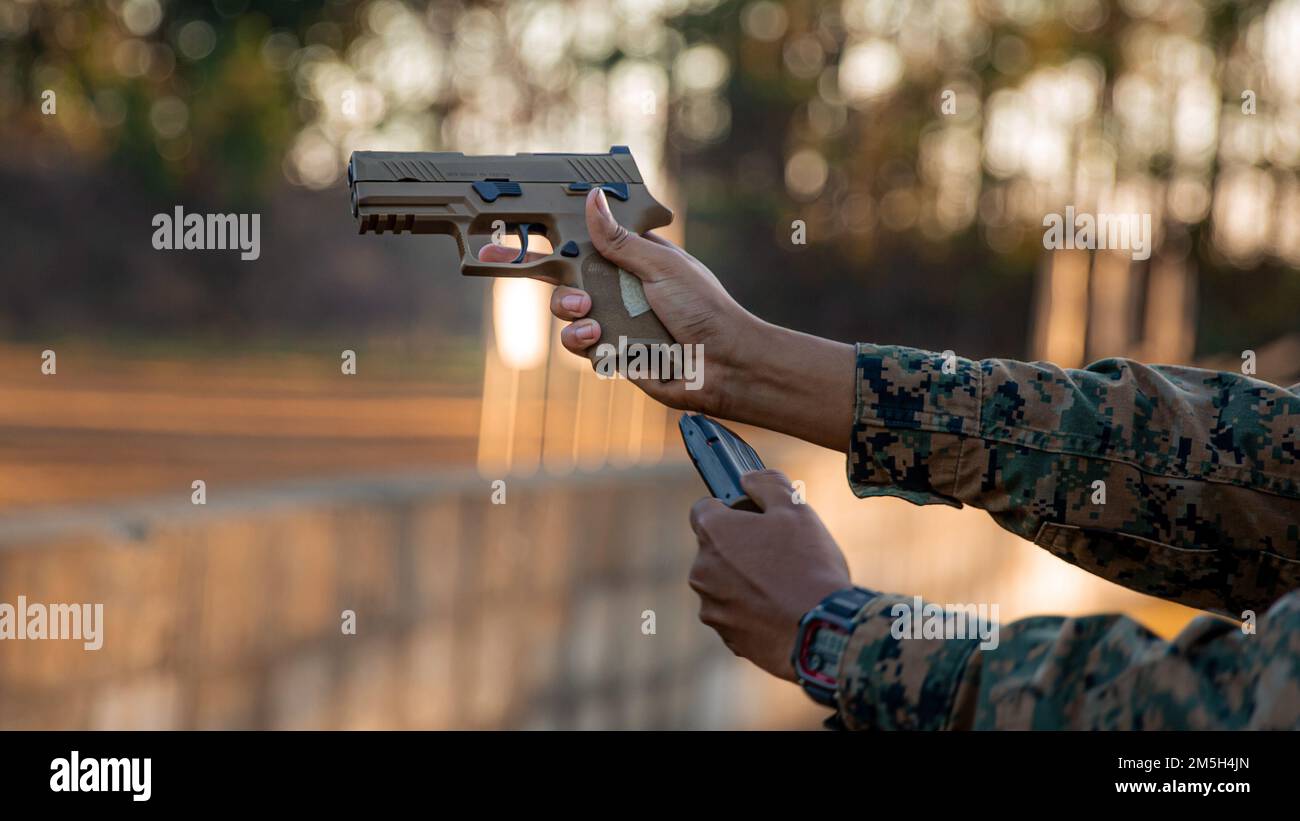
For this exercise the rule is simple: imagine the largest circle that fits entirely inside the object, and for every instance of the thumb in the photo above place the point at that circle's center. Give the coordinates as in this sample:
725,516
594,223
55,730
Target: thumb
769,488
633,253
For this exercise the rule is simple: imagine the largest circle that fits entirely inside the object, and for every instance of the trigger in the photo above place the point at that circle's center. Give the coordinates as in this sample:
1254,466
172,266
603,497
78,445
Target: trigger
523,243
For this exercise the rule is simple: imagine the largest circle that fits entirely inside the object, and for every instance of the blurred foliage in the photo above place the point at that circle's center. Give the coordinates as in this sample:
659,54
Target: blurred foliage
836,118
760,113
191,92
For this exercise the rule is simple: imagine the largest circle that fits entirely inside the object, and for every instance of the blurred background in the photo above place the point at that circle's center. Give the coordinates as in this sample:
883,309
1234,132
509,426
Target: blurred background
872,170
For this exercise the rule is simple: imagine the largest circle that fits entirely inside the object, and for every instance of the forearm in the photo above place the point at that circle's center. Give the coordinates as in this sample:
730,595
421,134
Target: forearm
792,383
1176,482
1093,673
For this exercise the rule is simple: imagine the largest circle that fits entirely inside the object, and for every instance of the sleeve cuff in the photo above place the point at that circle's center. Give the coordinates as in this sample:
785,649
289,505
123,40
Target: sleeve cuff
892,682
914,412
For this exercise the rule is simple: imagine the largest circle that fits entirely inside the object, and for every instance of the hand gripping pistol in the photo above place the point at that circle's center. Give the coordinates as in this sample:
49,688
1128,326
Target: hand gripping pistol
470,197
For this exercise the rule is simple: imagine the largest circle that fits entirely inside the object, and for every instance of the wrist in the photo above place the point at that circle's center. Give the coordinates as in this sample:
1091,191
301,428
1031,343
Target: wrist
822,638
789,382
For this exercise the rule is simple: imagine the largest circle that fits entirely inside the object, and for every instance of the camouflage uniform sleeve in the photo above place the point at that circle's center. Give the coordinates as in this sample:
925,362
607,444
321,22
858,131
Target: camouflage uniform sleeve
1177,482
1092,673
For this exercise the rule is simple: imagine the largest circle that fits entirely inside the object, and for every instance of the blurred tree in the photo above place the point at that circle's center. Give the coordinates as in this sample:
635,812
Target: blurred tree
922,143
867,168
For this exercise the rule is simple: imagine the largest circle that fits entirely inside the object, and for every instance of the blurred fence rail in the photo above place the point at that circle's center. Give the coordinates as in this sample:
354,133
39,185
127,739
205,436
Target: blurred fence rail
469,614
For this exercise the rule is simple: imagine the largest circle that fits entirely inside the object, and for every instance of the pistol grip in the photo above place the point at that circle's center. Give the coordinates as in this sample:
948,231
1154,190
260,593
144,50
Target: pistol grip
618,303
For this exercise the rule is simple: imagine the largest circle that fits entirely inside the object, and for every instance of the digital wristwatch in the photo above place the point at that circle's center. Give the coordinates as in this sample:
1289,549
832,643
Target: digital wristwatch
823,634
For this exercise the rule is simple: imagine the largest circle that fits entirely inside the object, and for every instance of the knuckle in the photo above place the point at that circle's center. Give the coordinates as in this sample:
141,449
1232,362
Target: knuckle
618,238
709,615
696,579
703,573
701,516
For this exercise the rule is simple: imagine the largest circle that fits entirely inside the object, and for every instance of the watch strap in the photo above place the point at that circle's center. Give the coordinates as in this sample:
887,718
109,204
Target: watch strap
838,609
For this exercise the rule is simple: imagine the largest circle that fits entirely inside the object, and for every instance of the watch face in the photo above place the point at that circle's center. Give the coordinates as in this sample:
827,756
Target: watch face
827,645
819,659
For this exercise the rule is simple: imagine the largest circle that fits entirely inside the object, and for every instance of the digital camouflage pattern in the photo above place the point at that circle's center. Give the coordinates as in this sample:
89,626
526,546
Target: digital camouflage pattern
1090,673
1200,472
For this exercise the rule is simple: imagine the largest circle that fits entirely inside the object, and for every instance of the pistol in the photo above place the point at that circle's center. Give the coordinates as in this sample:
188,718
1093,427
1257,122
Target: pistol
472,197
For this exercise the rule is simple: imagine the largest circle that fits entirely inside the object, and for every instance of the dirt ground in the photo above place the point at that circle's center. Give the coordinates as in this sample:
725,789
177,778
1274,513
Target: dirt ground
113,425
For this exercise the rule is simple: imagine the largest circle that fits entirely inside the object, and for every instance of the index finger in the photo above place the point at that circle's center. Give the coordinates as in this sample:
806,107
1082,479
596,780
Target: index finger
769,488
503,253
